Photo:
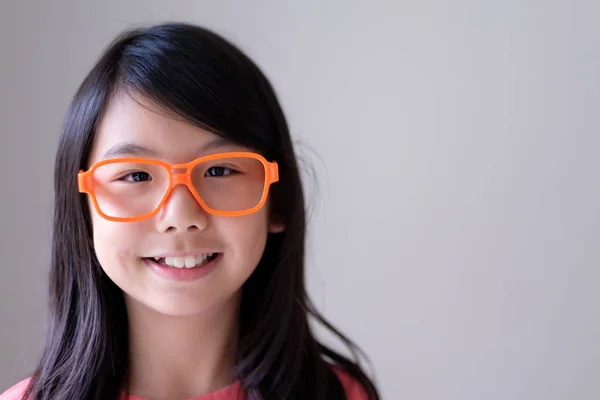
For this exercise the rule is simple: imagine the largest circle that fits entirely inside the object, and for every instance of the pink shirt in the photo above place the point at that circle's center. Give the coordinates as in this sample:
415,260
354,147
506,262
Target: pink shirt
354,391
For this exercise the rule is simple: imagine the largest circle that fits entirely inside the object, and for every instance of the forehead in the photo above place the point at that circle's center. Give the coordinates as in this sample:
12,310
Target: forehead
136,123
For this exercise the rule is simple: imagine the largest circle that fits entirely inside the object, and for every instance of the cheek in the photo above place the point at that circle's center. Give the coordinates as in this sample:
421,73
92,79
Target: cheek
114,244
246,237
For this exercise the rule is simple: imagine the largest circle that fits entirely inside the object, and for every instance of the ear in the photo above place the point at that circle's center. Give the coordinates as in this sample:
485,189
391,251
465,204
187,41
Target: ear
276,224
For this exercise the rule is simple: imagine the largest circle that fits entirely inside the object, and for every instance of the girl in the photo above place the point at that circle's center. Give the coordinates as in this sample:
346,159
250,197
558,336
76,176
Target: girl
178,244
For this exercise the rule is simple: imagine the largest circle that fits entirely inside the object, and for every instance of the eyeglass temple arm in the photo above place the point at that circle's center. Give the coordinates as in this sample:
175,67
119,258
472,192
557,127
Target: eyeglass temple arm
274,171
83,182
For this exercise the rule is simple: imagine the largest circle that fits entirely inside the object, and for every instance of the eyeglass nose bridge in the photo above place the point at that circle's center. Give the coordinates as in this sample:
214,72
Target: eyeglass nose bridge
180,179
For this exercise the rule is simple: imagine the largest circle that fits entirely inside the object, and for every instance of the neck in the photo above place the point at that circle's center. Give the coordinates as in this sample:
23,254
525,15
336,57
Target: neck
181,357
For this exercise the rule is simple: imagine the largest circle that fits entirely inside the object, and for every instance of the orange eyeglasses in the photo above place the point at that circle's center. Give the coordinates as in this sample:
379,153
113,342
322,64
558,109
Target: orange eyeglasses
132,189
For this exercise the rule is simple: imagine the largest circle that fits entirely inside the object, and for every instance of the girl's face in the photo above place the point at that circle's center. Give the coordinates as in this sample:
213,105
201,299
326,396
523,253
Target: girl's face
181,227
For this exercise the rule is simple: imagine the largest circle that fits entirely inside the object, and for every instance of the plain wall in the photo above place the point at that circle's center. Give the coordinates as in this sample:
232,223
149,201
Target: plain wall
455,201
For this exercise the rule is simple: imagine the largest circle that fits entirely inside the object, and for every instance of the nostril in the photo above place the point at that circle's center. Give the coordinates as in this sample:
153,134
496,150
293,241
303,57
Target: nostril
190,228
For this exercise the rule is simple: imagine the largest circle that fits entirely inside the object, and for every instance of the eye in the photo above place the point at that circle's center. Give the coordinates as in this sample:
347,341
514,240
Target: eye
218,171
136,177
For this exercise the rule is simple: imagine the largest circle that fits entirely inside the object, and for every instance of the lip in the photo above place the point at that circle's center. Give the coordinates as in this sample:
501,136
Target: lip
183,274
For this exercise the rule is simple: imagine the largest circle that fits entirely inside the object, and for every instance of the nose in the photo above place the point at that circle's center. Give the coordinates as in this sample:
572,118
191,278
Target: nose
182,213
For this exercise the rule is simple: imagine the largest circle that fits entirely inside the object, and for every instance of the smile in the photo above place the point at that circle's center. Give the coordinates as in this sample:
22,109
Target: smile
193,261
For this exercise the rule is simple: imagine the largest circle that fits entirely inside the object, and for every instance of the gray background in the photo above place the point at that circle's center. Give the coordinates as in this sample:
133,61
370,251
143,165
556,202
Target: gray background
454,199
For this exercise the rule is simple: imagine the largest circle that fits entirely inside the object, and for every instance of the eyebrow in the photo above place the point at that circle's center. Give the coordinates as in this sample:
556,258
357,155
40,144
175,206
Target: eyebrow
218,142
127,148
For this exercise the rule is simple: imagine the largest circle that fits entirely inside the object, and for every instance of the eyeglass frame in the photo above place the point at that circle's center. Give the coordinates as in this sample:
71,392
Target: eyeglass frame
85,182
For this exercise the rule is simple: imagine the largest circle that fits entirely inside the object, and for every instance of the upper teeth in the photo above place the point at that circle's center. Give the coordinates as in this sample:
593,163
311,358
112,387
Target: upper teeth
187,262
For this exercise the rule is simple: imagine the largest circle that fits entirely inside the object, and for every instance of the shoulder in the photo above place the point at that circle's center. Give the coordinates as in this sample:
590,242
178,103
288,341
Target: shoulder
354,389
16,391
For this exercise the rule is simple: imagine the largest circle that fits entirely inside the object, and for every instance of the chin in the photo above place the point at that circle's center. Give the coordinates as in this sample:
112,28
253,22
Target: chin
183,303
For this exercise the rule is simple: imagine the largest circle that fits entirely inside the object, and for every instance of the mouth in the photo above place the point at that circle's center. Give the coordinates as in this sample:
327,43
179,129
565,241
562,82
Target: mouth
193,261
